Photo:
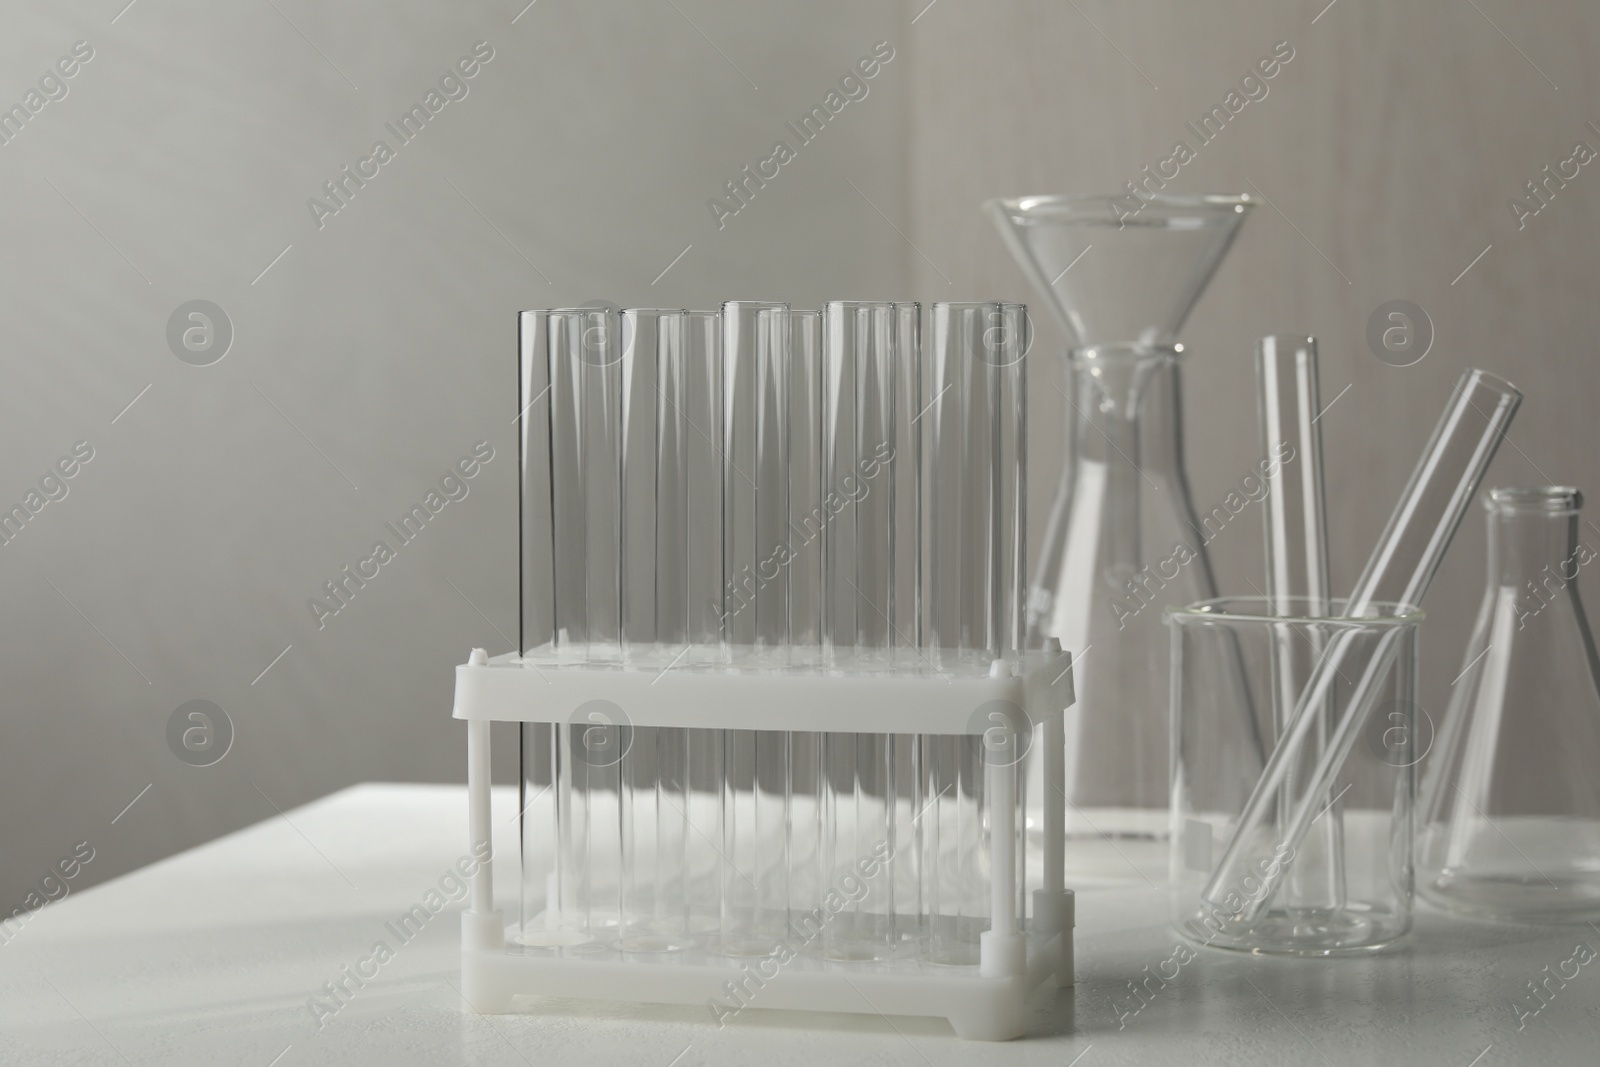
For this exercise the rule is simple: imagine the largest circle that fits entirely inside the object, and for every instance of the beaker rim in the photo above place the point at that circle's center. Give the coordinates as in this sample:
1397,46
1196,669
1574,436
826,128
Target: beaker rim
1099,209
1544,499
1258,609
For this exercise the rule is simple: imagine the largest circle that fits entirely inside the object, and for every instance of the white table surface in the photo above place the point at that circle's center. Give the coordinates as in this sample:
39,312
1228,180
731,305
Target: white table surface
209,958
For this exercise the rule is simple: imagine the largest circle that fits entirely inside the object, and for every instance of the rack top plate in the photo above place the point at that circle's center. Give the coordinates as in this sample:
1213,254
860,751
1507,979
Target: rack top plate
961,695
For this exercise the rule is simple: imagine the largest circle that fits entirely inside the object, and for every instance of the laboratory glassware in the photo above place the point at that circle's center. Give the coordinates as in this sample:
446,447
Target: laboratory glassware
1294,514
1216,767
974,423
1511,799
1124,540
1399,571
746,533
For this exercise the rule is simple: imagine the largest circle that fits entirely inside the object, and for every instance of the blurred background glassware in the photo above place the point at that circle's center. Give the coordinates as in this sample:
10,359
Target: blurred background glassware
1124,540
1218,760
1511,800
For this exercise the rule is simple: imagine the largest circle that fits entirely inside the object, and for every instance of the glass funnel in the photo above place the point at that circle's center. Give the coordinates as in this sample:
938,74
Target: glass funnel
1124,541
1511,801
1114,272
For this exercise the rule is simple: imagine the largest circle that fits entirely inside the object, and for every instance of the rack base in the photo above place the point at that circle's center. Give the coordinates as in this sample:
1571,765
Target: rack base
985,1002
977,1008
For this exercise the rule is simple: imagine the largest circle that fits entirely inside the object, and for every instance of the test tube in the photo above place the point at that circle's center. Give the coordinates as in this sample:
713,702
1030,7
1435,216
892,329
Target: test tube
904,872
866,360
841,326
974,427
569,562
755,481
536,627
1290,403
654,766
585,459
1400,569
640,338
1006,346
843,344
650,490
807,513
536,619
755,522
877,364
696,403
586,480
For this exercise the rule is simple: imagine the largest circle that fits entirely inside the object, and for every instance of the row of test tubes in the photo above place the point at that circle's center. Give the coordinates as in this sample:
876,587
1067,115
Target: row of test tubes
766,488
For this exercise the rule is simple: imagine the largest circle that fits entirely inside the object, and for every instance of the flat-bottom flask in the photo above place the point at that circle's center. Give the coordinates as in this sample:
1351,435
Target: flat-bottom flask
1123,544
1511,800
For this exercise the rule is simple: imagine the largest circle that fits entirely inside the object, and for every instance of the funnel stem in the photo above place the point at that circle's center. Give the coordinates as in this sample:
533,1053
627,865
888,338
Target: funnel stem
1109,445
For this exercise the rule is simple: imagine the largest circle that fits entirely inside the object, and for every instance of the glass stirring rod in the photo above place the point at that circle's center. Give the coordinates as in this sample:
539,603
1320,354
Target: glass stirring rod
1400,569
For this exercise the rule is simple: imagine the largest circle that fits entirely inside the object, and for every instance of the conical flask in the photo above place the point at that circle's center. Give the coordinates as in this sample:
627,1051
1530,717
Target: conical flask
1511,800
1124,541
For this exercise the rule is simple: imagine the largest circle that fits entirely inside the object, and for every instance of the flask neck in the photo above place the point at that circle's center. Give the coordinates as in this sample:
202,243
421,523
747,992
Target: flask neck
1535,545
1126,410
1125,445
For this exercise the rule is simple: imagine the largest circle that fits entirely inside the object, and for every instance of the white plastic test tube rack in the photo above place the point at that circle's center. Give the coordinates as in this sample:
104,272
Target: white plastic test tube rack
1017,953
778,740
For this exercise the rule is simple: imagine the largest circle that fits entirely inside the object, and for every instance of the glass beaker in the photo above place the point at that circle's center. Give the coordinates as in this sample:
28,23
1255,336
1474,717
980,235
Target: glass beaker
1124,540
1324,904
1511,801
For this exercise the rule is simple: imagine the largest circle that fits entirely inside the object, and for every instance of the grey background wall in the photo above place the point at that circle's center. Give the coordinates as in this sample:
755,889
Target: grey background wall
1386,150
371,353
365,362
